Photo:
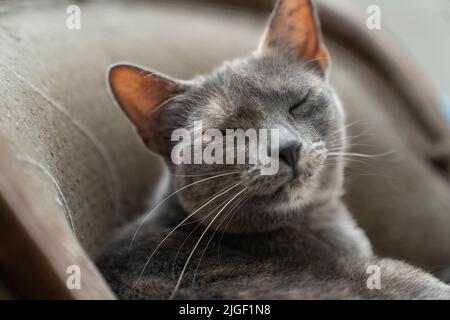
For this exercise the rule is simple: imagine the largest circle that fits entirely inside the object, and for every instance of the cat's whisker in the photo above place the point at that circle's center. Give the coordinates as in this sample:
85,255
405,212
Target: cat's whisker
198,242
213,196
339,158
349,138
188,236
212,236
203,253
361,155
184,220
347,142
343,128
184,224
338,147
239,205
340,140
200,221
144,218
343,143
346,161
198,175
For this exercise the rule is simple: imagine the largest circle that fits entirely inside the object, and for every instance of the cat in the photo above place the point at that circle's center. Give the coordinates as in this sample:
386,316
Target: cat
229,232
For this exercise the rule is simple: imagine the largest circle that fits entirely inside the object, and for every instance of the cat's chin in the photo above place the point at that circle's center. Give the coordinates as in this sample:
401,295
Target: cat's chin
290,196
282,186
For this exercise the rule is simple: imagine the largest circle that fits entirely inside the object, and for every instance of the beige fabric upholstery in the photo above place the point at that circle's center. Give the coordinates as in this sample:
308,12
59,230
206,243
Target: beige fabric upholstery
57,113
64,130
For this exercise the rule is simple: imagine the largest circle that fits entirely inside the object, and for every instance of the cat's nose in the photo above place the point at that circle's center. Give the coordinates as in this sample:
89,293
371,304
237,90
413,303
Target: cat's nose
290,154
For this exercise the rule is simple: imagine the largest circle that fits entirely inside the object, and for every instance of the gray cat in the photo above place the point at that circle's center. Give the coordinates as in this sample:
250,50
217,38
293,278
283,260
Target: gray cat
229,232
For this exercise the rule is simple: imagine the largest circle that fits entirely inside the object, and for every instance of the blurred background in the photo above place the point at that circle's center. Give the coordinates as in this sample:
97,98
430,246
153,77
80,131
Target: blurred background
423,29
72,168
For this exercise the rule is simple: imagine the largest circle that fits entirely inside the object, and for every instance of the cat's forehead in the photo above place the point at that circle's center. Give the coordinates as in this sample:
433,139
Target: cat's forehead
259,80
250,89
266,72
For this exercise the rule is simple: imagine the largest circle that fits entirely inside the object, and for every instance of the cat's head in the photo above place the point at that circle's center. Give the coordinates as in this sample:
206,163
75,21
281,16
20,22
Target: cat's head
282,88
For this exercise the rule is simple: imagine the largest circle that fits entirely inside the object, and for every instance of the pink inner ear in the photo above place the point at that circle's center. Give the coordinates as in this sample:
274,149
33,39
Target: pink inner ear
295,27
139,93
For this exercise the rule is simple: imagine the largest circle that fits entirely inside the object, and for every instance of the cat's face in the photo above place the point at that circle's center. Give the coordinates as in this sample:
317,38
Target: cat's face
282,88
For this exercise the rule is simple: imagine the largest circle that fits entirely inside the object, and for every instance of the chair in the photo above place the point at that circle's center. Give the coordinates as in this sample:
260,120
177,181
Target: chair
72,169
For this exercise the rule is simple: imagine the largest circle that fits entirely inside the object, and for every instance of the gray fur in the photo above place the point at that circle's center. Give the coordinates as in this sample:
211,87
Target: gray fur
290,263
280,238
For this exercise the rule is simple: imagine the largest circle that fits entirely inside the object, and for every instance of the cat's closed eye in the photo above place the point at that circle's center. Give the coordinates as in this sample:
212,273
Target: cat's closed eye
304,107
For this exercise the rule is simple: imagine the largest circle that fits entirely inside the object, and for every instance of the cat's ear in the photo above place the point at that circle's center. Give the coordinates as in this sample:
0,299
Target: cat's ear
294,27
140,93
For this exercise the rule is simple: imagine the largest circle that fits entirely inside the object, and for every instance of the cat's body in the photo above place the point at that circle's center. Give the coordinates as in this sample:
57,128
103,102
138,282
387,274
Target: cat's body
332,261
285,235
